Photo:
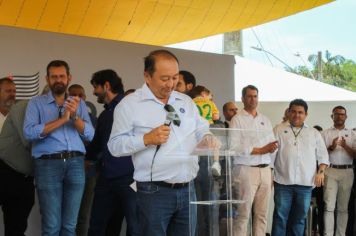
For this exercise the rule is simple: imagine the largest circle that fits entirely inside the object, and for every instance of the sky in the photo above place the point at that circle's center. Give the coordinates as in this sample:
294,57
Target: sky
328,27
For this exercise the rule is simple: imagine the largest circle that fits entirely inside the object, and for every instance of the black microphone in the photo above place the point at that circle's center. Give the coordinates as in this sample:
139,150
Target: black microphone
169,119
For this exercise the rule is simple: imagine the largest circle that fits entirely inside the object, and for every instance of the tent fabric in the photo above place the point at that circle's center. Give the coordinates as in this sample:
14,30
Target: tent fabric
153,22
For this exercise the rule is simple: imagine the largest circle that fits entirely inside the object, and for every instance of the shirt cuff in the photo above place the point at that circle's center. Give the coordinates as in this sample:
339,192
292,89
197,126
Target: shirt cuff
139,143
88,133
39,130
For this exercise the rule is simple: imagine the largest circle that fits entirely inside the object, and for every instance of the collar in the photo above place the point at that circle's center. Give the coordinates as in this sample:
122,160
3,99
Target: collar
285,122
49,97
147,94
304,126
114,102
245,113
333,128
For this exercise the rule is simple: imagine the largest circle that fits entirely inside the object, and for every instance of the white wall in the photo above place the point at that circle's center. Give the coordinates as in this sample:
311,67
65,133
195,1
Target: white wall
25,52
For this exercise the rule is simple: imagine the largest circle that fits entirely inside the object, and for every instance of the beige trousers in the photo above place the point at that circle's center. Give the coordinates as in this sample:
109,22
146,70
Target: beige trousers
337,190
253,185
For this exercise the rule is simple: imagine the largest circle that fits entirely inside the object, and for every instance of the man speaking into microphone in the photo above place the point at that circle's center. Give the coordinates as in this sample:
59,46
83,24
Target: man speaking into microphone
157,116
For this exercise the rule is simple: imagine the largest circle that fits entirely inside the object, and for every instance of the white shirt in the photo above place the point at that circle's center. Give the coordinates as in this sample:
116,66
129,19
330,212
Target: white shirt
339,156
297,157
250,132
139,113
2,120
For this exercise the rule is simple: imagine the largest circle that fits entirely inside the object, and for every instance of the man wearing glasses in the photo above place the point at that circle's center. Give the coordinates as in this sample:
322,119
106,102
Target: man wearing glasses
341,144
56,125
147,124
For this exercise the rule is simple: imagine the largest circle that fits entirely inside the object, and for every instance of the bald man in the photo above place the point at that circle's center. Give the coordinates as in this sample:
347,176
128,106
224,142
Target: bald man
229,111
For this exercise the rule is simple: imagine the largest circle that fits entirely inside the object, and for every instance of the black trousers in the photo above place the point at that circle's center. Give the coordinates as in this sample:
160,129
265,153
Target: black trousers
17,196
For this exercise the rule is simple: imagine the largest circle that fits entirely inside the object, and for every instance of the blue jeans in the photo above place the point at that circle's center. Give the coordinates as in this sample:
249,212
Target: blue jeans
292,203
165,211
113,196
60,185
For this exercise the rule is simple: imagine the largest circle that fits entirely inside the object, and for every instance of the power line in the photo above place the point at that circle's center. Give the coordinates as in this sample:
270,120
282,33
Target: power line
259,42
274,56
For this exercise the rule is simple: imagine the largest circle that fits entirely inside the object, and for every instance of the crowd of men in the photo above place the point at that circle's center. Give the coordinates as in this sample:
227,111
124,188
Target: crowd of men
91,173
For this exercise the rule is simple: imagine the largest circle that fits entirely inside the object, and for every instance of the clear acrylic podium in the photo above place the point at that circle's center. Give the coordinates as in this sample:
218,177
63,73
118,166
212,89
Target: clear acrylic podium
216,199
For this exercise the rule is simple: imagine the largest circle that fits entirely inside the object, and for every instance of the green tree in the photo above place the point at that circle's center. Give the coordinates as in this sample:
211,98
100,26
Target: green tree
336,70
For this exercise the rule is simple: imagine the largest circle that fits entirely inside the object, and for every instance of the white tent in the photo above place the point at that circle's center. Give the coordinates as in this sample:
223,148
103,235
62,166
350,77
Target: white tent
278,85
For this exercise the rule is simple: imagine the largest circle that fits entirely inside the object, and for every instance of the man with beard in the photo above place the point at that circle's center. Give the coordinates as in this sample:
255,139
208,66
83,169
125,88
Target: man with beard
7,98
16,185
56,125
186,82
113,193
341,144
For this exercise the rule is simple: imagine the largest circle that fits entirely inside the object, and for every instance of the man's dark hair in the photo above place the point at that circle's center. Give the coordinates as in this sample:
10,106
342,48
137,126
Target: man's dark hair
318,128
299,102
252,87
58,63
150,60
339,108
129,91
6,80
188,77
102,76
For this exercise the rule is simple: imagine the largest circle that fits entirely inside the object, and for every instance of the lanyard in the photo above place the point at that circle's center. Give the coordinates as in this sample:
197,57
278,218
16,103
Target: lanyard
296,134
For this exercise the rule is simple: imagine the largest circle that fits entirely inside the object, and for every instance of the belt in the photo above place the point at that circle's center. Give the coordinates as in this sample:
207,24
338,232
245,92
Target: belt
341,166
169,185
61,155
261,165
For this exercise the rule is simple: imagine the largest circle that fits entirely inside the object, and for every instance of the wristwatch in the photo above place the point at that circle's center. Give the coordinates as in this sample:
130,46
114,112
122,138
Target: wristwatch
74,118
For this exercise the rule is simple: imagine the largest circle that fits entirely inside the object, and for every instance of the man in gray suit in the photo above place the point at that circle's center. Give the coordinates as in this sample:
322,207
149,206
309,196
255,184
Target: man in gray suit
16,182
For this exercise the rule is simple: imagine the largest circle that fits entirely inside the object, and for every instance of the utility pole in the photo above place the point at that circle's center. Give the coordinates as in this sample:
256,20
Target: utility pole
232,43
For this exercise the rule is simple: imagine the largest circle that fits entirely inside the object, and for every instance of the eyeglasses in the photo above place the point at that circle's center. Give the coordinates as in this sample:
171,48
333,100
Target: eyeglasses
172,115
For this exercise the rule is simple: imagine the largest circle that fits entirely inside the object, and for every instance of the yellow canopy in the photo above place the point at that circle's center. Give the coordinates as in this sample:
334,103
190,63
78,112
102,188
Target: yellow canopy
155,22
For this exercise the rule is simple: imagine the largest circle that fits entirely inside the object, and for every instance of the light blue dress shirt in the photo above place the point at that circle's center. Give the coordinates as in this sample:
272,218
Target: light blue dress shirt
43,109
139,113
